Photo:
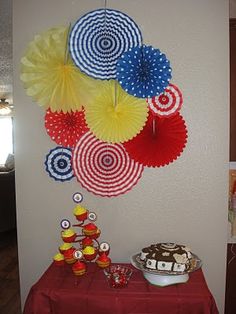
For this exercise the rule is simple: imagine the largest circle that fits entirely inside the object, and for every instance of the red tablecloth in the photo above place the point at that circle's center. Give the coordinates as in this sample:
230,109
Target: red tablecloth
59,291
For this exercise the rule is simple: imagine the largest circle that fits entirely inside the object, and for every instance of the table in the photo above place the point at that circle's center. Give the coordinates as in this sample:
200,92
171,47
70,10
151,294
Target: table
59,292
230,300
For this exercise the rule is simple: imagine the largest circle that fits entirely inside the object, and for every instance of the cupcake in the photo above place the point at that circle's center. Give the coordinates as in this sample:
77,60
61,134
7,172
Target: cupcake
103,260
89,253
79,268
68,235
96,235
80,213
64,247
87,241
69,256
59,259
90,229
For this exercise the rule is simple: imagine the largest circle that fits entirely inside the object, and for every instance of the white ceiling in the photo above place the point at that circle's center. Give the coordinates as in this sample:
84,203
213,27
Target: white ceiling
6,50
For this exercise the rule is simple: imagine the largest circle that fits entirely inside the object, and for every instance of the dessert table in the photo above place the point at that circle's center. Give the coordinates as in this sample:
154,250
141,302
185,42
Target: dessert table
60,291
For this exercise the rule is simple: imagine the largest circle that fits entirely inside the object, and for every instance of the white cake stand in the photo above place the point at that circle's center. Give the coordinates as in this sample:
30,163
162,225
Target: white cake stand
165,280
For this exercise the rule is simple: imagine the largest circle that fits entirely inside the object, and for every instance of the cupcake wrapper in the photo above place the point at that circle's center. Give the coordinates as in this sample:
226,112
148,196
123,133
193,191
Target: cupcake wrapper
69,239
63,251
96,235
86,244
103,264
70,260
90,257
89,233
79,272
81,217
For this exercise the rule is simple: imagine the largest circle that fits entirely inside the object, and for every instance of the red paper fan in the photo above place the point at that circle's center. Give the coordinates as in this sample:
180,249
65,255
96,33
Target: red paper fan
160,142
65,128
167,103
104,169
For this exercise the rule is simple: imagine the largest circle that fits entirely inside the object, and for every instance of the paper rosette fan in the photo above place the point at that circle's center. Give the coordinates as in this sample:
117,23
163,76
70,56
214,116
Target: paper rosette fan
58,164
143,71
49,75
65,128
113,115
99,38
104,169
167,103
160,142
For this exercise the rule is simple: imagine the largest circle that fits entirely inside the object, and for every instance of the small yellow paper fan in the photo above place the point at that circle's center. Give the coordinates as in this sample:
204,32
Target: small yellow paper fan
113,115
49,75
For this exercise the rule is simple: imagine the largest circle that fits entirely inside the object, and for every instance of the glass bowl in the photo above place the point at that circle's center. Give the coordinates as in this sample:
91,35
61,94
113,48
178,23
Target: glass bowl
118,276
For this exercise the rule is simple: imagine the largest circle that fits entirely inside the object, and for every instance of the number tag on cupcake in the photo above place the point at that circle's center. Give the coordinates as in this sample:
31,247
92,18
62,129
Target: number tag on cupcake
92,216
65,224
104,247
77,197
78,254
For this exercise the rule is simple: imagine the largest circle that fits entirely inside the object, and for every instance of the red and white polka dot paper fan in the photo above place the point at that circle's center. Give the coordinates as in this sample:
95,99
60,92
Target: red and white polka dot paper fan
65,128
168,103
104,169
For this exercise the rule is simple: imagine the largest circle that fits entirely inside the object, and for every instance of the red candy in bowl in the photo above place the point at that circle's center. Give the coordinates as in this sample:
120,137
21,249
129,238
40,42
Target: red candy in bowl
118,276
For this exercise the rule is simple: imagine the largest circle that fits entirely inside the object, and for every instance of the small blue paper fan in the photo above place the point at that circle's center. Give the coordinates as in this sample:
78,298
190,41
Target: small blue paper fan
99,38
143,71
58,164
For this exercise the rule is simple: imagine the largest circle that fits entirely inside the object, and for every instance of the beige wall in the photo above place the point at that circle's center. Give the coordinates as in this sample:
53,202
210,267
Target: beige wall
184,202
232,8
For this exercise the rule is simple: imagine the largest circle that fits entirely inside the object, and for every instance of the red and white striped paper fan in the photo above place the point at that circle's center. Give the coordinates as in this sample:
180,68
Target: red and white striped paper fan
104,169
168,103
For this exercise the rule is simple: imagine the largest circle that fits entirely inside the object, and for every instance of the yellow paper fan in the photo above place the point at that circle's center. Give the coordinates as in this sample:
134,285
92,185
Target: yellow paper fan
49,75
113,115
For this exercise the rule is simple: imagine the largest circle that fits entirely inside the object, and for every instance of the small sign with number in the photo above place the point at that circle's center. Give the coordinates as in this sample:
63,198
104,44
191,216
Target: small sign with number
65,224
104,247
92,216
77,197
78,254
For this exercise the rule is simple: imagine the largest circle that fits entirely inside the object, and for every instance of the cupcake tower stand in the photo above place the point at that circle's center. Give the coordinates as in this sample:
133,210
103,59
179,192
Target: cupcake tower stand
89,249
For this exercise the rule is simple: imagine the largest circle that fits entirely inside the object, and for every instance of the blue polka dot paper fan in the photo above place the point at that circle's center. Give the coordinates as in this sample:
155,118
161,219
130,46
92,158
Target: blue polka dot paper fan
99,38
143,71
58,164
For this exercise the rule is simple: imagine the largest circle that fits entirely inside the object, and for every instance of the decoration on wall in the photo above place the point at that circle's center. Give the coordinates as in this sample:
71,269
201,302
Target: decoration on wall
104,169
58,164
65,128
167,103
161,141
109,102
99,38
114,116
49,75
143,71
88,247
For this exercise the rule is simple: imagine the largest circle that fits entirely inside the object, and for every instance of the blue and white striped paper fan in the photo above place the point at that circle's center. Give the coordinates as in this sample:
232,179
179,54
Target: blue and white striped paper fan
58,164
143,71
99,38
